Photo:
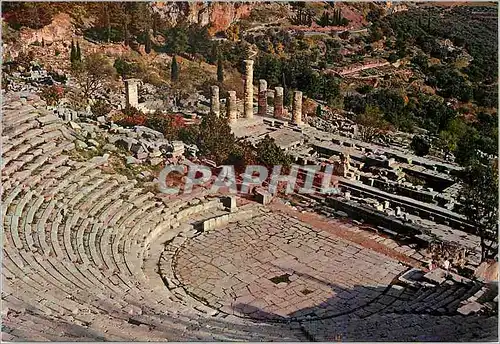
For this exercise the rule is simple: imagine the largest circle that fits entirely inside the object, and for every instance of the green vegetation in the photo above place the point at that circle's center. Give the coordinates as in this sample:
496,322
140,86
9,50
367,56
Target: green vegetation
332,19
93,73
269,154
302,15
174,70
296,73
372,123
147,46
480,204
452,92
220,71
420,145
100,108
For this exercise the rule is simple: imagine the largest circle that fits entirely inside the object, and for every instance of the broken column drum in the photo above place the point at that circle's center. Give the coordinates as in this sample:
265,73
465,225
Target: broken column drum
131,94
297,108
248,107
262,97
278,102
214,101
232,114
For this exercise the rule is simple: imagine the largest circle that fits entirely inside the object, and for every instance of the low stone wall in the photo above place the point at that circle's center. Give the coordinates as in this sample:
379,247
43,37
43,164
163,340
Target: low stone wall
423,210
358,212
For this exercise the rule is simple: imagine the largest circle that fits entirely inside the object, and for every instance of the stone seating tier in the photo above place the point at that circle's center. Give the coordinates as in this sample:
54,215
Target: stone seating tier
86,253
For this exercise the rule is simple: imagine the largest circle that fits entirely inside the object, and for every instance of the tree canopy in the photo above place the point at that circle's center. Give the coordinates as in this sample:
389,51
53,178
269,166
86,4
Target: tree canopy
479,198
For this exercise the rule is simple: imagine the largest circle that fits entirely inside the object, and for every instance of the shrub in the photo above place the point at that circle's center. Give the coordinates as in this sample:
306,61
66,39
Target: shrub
62,78
100,108
420,145
52,94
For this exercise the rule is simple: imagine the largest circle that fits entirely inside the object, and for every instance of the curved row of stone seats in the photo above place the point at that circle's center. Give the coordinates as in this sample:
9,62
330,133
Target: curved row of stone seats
52,305
403,328
49,237
420,293
49,248
82,247
443,299
47,219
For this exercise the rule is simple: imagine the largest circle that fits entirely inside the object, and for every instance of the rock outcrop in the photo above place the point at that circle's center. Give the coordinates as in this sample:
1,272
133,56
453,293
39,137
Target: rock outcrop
218,15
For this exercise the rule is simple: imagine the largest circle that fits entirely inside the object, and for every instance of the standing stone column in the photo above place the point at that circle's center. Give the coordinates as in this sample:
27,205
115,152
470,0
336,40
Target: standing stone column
214,101
262,97
297,108
278,102
248,89
232,114
131,94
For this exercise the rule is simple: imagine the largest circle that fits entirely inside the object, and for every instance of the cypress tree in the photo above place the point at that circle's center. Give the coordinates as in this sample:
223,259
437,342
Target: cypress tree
318,110
73,52
147,47
220,71
286,98
214,53
174,70
78,52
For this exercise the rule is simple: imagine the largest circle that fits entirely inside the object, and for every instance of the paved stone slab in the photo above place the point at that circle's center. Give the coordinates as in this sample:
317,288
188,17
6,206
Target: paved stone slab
263,273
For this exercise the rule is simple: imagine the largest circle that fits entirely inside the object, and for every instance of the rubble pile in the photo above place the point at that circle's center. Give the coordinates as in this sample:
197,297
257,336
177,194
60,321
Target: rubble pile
144,145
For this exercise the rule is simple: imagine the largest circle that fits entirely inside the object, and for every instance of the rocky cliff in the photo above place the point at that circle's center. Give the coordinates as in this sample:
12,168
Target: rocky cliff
218,15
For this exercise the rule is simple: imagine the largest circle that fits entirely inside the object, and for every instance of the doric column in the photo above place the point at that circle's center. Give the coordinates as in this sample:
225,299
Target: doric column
262,97
248,89
297,108
214,101
131,94
278,102
232,114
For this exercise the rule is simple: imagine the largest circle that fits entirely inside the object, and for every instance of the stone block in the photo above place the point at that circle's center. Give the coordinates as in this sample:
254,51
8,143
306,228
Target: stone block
229,202
263,196
130,160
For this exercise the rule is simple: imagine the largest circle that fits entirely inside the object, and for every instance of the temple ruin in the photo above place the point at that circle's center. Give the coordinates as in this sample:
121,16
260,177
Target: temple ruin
262,110
214,101
131,93
248,105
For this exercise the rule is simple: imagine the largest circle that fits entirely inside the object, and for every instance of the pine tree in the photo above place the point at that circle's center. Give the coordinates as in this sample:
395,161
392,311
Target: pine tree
220,71
174,70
